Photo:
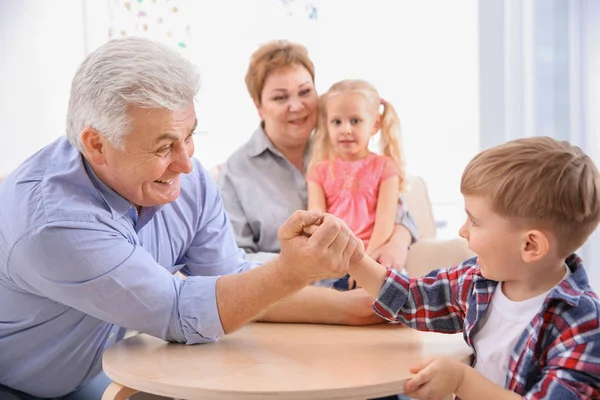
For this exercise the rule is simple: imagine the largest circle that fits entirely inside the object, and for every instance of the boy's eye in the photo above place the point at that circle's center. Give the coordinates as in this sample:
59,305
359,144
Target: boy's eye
336,121
355,121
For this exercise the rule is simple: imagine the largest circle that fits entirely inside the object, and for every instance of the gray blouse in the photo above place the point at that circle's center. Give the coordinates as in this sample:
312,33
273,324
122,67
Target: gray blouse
261,189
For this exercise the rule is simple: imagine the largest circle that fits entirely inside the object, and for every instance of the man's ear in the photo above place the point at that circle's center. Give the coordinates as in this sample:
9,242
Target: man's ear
94,145
535,245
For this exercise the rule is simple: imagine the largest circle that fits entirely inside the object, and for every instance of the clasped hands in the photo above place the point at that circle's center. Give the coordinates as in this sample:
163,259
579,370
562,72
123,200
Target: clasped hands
317,245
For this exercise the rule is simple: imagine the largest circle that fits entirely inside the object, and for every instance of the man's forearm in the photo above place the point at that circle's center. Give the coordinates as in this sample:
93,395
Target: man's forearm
243,297
317,305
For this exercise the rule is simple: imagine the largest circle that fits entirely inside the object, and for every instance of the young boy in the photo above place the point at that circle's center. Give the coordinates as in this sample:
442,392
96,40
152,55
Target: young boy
524,304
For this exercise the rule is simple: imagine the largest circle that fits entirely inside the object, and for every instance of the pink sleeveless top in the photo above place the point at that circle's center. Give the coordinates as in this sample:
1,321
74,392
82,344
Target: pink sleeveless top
351,189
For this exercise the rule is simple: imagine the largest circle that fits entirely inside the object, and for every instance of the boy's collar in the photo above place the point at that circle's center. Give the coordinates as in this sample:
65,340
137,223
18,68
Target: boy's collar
575,285
569,289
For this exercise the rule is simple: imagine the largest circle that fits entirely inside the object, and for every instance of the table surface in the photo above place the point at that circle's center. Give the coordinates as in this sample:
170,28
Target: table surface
281,361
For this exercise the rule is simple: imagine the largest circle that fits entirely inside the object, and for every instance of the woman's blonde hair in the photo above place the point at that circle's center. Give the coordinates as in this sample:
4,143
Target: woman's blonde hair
274,56
540,181
389,142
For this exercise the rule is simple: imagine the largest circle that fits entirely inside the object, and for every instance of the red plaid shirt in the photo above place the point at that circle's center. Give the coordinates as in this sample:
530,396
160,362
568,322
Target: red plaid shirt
556,357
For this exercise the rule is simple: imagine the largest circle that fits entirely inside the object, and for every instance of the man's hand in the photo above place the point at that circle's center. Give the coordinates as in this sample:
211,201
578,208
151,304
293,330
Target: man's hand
326,253
435,379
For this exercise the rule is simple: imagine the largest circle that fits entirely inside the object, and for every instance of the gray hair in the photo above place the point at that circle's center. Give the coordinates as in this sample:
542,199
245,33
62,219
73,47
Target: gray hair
126,72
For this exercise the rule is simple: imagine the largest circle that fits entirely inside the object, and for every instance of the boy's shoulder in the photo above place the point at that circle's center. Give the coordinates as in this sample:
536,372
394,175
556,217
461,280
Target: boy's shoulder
573,302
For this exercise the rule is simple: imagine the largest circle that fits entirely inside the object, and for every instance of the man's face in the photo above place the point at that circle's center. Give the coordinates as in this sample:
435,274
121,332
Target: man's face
155,153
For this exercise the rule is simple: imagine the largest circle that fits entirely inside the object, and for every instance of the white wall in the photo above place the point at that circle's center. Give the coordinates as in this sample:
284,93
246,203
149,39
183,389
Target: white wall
41,45
590,43
424,62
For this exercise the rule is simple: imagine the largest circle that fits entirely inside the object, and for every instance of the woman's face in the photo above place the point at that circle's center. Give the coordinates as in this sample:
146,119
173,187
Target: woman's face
289,106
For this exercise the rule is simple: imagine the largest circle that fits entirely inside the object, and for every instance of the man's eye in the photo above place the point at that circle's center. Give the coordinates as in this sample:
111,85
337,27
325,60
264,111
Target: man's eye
164,149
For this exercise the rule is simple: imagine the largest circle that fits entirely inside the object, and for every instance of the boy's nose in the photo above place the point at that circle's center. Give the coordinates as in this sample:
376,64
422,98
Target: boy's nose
463,232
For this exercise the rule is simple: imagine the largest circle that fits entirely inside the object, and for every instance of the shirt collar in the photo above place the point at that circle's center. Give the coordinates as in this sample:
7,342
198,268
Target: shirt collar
259,143
575,285
570,289
118,205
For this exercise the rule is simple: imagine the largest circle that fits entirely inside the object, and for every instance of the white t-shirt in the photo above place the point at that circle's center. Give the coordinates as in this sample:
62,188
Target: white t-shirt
503,325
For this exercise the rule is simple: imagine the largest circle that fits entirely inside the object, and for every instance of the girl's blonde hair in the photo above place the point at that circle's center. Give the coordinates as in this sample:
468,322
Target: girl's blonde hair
389,141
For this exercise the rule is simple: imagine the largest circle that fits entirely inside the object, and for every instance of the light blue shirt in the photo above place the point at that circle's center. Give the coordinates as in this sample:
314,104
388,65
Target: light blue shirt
78,266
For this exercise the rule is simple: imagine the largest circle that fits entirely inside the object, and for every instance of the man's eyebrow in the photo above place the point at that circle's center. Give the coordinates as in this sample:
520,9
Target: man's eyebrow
164,136
171,136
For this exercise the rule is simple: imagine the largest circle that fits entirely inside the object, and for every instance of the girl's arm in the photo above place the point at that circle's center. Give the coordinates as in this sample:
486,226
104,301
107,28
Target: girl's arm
316,197
385,215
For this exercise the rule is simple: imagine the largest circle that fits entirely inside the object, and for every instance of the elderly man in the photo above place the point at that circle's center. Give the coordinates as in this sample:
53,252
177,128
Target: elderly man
93,227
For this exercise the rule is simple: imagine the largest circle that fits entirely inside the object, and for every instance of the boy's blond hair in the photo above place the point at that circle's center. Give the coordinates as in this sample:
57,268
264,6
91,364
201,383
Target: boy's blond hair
541,181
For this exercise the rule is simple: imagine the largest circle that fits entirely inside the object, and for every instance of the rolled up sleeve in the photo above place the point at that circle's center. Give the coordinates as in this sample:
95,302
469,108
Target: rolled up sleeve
405,218
95,270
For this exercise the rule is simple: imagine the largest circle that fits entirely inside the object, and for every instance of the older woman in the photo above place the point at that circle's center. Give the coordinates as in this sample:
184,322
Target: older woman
263,182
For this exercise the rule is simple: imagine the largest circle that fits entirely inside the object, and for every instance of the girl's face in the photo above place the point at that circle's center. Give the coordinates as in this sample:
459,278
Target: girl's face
351,121
289,106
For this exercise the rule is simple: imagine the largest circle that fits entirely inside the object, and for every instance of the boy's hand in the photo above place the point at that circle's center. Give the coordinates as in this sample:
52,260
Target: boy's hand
434,379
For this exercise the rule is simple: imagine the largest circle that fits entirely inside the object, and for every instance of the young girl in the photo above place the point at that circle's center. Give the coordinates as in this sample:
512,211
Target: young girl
344,177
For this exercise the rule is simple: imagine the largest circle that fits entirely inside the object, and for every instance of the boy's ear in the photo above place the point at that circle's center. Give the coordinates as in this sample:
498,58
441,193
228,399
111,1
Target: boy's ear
535,246
94,145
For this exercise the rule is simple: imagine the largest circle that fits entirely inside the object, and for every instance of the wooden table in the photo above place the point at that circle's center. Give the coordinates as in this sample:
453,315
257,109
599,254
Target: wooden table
278,361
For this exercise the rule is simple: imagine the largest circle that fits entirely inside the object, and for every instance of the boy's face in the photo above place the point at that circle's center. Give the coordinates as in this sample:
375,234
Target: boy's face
495,239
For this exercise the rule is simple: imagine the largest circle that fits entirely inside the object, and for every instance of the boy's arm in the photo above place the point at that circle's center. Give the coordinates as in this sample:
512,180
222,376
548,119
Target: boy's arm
399,298
572,367
385,215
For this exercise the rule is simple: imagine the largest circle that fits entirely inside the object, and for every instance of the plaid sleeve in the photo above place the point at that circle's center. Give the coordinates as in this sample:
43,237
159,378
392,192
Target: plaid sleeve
435,302
571,365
